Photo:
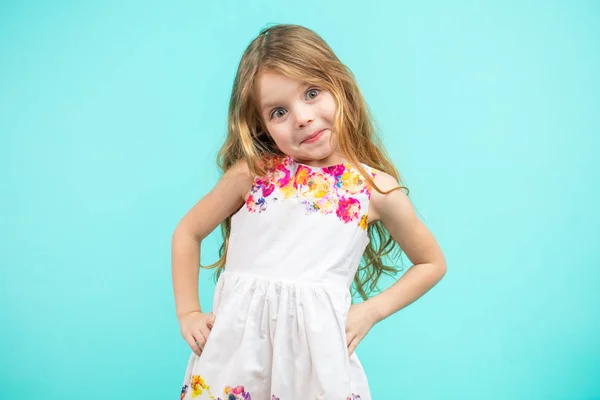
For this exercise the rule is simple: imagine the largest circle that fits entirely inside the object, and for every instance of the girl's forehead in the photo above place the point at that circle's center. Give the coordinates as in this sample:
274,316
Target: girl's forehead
272,87
277,79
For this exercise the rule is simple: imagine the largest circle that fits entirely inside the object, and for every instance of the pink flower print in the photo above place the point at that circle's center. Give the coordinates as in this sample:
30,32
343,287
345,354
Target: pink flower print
274,398
348,209
335,170
237,393
282,175
256,200
261,184
268,189
258,183
250,202
237,390
254,204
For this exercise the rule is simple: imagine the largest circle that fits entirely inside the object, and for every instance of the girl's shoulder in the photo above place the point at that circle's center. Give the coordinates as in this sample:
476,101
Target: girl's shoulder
269,164
239,170
370,170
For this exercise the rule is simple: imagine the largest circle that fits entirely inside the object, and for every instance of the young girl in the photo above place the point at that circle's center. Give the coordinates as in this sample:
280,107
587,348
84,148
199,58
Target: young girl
307,192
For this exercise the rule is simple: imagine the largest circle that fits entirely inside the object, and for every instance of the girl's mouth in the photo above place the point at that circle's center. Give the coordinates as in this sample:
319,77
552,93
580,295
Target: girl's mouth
314,138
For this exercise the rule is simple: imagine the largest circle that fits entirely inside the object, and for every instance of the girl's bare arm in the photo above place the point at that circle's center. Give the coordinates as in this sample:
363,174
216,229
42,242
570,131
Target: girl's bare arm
222,201
415,239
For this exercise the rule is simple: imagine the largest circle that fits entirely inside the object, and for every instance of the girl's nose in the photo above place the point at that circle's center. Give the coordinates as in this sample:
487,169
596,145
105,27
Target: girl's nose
304,116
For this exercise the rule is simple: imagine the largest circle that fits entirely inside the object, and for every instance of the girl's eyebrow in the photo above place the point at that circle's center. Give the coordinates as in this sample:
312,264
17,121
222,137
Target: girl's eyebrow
269,105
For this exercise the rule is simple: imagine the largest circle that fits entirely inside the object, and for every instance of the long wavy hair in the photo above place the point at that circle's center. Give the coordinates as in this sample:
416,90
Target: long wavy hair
299,53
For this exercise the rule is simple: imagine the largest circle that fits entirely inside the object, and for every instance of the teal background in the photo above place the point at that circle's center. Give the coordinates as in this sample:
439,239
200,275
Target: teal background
111,114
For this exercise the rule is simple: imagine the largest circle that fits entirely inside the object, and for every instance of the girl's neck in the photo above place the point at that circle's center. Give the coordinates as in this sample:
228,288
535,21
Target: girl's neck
332,160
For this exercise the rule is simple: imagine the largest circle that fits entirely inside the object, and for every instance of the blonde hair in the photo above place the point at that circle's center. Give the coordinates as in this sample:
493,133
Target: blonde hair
299,53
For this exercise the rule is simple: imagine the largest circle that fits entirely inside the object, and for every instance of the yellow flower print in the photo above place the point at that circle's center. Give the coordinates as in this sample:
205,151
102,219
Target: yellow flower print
363,222
288,190
302,176
352,182
328,205
198,385
321,186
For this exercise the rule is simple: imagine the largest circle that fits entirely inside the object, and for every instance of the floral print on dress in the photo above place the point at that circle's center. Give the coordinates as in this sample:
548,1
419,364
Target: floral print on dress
199,386
328,190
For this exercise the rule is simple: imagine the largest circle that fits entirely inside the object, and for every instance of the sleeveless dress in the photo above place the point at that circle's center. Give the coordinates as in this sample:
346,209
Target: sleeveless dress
282,301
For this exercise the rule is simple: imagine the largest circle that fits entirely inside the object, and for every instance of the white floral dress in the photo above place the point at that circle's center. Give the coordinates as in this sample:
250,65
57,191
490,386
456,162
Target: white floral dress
282,301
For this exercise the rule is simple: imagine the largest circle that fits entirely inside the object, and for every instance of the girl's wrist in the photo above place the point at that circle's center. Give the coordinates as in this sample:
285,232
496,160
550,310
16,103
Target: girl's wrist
185,313
374,310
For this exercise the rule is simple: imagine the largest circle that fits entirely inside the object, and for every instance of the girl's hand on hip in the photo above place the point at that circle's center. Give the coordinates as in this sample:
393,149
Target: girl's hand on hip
195,328
359,322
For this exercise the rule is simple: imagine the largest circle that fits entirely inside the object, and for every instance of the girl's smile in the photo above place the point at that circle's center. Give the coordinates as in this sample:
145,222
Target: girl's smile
314,137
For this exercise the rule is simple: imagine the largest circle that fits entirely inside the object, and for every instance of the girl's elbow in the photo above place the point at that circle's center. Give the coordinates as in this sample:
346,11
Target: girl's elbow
441,268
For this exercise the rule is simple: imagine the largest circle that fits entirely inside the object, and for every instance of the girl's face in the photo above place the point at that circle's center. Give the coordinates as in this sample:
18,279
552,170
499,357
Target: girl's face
299,117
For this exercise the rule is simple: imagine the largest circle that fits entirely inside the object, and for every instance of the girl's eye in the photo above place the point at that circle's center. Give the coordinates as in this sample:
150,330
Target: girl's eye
276,116
315,91
274,113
